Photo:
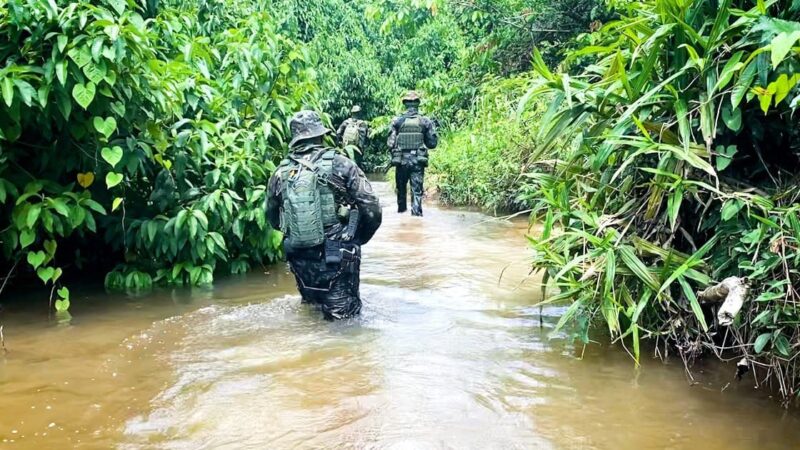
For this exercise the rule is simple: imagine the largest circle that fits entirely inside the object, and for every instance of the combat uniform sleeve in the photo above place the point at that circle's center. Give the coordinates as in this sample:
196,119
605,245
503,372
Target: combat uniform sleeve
274,201
429,133
367,202
392,142
340,132
364,134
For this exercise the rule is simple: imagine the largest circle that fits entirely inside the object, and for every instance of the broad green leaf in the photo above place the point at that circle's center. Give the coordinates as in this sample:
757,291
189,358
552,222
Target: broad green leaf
118,5
732,119
94,72
80,55
35,259
113,179
781,45
62,305
106,127
724,156
115,204
26,238
761,342
731,208
46,274
26,91
731,67
84,94
50,246
781,344
112,155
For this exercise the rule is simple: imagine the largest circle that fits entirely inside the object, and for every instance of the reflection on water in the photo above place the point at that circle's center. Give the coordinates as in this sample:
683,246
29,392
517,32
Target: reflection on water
447,355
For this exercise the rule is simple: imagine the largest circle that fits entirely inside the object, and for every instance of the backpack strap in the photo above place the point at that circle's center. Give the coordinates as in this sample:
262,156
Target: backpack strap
320,163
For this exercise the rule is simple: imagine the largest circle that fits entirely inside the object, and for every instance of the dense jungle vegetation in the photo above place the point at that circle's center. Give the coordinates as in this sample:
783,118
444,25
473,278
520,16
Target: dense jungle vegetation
653,142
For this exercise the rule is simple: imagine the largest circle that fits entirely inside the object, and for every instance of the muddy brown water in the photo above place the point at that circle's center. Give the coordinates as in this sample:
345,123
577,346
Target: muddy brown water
447,355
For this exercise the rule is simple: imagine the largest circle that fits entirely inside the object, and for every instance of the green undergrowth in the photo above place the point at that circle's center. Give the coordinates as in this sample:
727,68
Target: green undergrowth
483,162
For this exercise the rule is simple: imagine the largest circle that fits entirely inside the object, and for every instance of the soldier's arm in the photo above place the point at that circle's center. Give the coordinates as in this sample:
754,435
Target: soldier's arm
365,133
340,132
274,201
429,133
392,142
360,191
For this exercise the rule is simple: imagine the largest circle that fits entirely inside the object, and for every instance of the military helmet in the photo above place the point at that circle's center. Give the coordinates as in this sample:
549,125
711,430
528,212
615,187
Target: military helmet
306,125
411,97
355,109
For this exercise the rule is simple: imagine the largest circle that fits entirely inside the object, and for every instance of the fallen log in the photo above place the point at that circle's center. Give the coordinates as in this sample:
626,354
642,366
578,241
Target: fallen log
733,290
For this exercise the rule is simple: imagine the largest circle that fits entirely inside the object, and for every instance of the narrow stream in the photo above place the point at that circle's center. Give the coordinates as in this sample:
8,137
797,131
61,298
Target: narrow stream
447,355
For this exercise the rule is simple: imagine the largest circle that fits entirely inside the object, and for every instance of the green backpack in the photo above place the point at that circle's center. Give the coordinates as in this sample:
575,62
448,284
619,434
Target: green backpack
308,202
352,134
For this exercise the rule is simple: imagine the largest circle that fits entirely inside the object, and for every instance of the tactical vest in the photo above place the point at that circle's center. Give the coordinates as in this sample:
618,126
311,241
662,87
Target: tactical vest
410,135
308,202
352,134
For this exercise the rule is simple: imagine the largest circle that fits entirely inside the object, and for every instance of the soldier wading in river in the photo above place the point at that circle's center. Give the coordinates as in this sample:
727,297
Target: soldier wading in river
354,132
327,210
410,138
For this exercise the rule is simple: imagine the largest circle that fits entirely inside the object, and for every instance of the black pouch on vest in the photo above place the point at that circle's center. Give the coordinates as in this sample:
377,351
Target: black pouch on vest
397,157
422,157
333,252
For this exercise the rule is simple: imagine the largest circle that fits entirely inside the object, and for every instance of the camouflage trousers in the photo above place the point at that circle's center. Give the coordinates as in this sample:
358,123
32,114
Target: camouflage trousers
415,174
333,288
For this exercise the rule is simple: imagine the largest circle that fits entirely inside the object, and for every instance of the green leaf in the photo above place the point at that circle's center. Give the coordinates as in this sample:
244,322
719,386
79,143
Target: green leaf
781,344
26,238
781,45
743,84
45,273
724,156
84,94
50,246
732,119
674,206
112,155
118,5
106,128
81,56
7,86
36,259
94,72
115,204
730,68
113,179
731,208
64,293
61,71
62,305
26,91
33,215
761,342
636,266
693,303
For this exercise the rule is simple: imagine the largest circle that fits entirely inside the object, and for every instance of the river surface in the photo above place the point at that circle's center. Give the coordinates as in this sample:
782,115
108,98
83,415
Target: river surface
448,354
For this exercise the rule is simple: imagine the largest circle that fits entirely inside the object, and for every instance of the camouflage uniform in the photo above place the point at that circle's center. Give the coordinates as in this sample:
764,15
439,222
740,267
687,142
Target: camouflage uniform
334,288
363,133
411,168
